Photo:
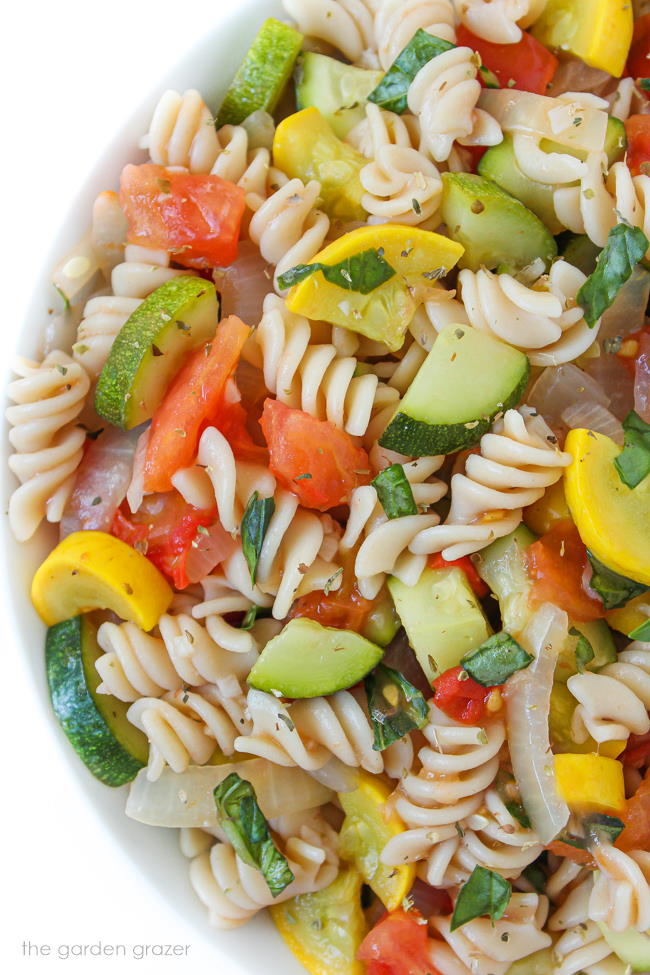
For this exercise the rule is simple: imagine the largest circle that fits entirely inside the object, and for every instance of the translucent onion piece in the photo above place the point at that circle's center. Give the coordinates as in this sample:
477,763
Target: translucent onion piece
528,697
101,483
260,128
211,548
78,274
561,387
627,313
577,76
522,111
185,798
336,776
615,381
594,416
399,656
642,379
244,285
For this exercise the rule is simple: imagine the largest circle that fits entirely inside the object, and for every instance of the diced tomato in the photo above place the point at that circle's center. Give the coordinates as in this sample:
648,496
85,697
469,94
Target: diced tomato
343,610
164,529
637,129
636,835
528,63
638,60
637,751
193,397
398,945
573,853
461,697
479,587
557,562
196,216
231,420
311,457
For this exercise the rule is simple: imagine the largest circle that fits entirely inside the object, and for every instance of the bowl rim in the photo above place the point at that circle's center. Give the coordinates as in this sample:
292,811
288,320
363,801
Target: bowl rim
138,847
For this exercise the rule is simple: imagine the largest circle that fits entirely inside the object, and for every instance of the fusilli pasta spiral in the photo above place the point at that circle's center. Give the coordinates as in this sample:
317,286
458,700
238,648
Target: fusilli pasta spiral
613,703
345,24
48,397
519,459
544,319
621,891
499,21
182,132
397,21
443,95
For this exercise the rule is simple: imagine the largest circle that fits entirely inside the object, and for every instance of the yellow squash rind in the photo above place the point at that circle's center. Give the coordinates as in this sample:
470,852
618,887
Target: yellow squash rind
597,31
591,783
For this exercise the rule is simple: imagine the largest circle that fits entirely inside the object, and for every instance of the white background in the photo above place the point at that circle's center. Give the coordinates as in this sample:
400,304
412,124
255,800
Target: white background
72,71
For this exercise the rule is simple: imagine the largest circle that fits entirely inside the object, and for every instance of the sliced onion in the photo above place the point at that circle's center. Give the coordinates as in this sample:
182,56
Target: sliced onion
528,700
615,381
561,387
627,313
101,483
593,416
244,285
399,656
642,379
522,111
185,798
213,545
575,75
336,776
135,490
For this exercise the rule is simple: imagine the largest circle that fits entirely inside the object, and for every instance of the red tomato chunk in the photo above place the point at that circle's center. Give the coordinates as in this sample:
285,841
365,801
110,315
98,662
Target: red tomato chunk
557,563
527,63
196,216
637,129
461,697
397,945
312,458
479,587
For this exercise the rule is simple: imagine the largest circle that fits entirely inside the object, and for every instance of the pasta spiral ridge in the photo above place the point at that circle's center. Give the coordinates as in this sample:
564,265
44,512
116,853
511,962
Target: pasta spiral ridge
596,205
142,271
385,544
48,397
308,733
485,947
519,459
287,228
621,893
457,767
234,891
182,132
137,664
185,726
613,703
401,185
246,166
443,95
313,378
397,21
345,24
544,320
499,21
103,317
581,946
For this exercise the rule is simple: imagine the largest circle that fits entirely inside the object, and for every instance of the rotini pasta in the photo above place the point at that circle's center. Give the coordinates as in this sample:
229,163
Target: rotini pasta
397,21
519,459
499,21
182,133
613,703
544,320
48,445
621,891
345,24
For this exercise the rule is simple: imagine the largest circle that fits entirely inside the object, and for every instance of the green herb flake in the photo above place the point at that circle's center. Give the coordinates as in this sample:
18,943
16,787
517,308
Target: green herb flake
332,579
391,92
361,272
584,652
244,824
625,247
95,501
485,893
535,876
644,84
303,477
641,632
416,206
250,617
601,828
496,660
633,463
517,811
395,706
254,525
395,492
614,590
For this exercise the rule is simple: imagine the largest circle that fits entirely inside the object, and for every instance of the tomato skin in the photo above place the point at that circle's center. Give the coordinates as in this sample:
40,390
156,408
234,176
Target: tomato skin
231,421
342,610
463,700
163,529
638,60
573,853
637,751
479,588
196,216
528,63
637,129
557,562
300,444
636,835
194,396
397,945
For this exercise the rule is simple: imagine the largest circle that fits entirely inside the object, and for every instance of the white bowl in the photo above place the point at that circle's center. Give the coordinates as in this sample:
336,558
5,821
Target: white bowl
209,66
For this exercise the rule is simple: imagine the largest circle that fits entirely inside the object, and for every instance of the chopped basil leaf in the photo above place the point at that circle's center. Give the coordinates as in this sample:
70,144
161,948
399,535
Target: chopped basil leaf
484,893
361,272
495,660
625,247
395,706
391,92
249,618
633,463
394,492
490,80
535,876
517,811
614,590
254,524
641,632
603,828
244,824
644,84
584,651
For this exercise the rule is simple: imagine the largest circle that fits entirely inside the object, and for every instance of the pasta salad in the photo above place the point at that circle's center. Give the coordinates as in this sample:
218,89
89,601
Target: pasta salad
344,421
